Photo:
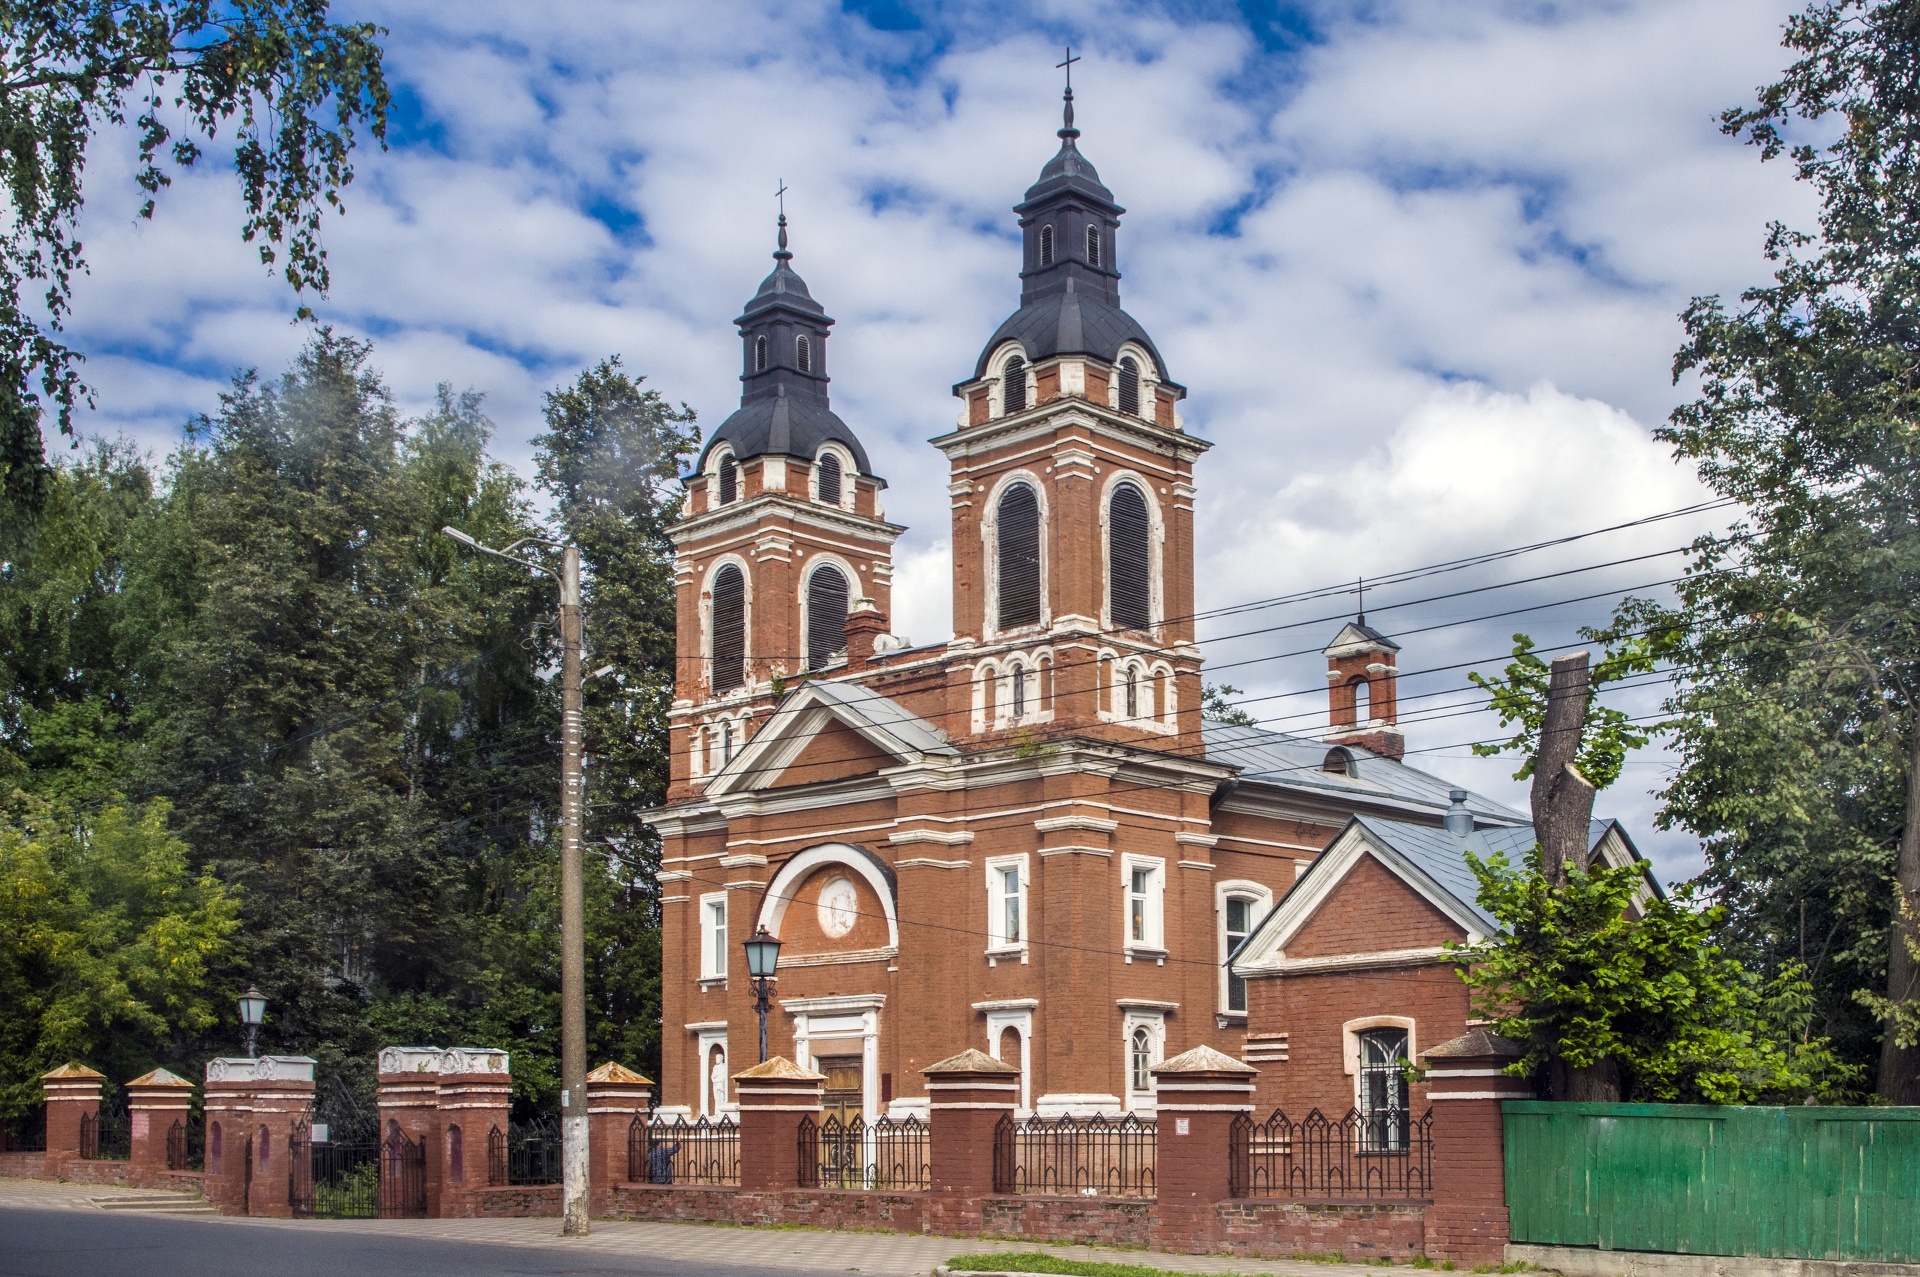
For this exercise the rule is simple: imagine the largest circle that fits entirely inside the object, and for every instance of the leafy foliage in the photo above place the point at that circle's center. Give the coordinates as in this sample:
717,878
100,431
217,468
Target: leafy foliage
1608,733
1216,705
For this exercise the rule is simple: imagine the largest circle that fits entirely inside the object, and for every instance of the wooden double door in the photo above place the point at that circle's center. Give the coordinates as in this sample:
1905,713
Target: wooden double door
843,1097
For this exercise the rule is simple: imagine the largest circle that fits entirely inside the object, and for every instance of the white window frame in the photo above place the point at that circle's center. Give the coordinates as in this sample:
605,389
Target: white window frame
1154,944
713,952
708,1038
1155,1023
1260,899
1015,1014
998,944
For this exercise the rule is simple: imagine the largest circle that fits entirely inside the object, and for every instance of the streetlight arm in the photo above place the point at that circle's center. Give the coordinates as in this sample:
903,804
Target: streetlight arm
506,554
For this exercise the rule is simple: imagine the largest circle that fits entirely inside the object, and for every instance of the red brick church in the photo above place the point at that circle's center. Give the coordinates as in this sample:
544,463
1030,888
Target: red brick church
1026,839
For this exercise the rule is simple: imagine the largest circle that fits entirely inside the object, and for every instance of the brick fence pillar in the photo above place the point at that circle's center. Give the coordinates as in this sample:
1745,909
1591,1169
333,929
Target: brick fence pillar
1467,1222
155,1103
72,1092
475,1089
967,1095
409,1101
282,1096
228,1107
1199,1093
774,1096
615,1097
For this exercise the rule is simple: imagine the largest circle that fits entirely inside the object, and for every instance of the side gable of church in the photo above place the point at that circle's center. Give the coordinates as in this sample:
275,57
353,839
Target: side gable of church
1372,909
836,752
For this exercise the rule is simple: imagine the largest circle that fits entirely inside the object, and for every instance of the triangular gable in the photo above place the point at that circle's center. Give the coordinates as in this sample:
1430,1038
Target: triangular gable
1266,948
810,716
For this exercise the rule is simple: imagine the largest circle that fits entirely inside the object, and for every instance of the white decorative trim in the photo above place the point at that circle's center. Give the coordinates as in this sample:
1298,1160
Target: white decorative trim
1437,1071
928,862
1350,1037
1092,824
1350,962
1146,1004
773,907
839,958
1078,1104
1102,852
957,838
1186,839
1480,1095
745,860
1198,864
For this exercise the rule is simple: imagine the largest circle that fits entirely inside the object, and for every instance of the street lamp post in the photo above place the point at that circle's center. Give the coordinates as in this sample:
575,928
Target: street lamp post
253,1009
763,955
573,962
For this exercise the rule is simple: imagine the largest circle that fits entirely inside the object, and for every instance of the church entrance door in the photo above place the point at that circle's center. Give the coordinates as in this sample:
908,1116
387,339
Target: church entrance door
843,1127
842,1097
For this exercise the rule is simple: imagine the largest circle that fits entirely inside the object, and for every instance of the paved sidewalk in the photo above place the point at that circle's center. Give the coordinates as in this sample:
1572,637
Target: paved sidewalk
768,1249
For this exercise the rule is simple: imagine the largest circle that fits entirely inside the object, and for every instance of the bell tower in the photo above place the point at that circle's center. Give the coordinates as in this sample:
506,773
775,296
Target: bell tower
784,557
1072,497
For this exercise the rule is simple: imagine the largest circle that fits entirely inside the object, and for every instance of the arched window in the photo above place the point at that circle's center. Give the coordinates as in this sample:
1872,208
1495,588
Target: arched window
1140,1060
760,353
729,480
827,475
1018,674
826,615
803,353
1362,701
1339,762
1129,387
1019,557
1239,921
726,743
1093,245
1046,245
1129,559
1383,1088
729,629
1133,693
1013,386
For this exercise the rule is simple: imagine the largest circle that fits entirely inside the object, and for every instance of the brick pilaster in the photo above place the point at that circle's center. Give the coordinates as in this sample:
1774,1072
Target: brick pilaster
1466,1083
774,1096
228,1107
475,1090
409,1099
616,1096
1199,1094
72,1092
155,1103
282,1095
967,1095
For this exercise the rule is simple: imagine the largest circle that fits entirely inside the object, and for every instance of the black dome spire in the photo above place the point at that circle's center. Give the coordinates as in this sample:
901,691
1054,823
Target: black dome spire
783,393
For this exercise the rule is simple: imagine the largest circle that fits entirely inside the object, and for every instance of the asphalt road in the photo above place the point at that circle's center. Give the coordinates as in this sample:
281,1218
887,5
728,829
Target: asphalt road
72,1243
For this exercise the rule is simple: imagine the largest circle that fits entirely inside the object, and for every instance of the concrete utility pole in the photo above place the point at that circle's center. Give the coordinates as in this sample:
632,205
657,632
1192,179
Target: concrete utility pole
573,928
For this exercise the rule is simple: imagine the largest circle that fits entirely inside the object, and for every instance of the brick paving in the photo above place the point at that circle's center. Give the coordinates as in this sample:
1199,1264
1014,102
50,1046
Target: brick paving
771,1249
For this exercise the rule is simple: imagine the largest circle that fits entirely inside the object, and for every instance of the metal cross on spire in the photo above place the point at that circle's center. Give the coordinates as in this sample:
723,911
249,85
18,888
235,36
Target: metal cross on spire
781,195
1066,129
1362,590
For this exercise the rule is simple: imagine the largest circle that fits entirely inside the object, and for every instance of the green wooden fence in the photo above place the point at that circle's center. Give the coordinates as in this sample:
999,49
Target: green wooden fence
1698,1179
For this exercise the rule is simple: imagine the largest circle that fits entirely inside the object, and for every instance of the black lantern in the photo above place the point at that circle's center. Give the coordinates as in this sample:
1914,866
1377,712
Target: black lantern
763,955
253,1009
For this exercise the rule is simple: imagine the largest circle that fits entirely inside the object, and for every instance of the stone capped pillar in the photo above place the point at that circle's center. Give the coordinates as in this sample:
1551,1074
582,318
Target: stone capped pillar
155,1102
409,1100
228,1108
475,1089
967,1095
1199,1094
773,1097
615,1097
282,1096
72,1092
1466,1083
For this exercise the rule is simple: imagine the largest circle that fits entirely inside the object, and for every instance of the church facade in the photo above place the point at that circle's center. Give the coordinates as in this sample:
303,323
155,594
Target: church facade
1025,839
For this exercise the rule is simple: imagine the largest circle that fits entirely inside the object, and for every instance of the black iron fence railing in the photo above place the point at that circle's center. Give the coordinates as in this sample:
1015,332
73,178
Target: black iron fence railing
1384,1153
187,1144
888,1153
676,1151
106,1135
25,1134
524,1153
1083,1156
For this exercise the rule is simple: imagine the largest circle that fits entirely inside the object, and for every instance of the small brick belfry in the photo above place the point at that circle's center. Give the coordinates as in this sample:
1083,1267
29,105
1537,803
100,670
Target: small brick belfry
475,1089
774,1096
251,1108
1363,684
1466,1084
615,1097
967,1095
73,1092
155,1101
1201,1092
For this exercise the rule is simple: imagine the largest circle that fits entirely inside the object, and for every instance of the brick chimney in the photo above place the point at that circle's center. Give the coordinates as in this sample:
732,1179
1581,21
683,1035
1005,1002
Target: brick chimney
865,623
1362,690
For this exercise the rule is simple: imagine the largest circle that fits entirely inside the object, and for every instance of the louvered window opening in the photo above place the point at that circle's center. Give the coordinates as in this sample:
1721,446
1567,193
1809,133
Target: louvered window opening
803,353
729,629
729,481
1129,559
1093,245
828,472
760,354
826,616
1014,385
1046,245
1019,555
1129,387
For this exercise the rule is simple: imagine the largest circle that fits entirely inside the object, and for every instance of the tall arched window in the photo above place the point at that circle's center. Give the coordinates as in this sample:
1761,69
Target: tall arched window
827,474
1019,557
729,480
803,353
729,629
1017,673
826,615
1129,387
1133,693
1140,1061
1093,245
1362,701
1013,386
760,353
1129,559
1046,245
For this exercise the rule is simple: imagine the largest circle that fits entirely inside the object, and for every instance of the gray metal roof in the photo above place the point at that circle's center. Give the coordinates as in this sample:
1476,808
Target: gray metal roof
785,425
1071,323
867,707
1296,762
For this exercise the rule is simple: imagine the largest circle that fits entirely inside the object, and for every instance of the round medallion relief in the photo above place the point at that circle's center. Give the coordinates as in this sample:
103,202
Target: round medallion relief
839,907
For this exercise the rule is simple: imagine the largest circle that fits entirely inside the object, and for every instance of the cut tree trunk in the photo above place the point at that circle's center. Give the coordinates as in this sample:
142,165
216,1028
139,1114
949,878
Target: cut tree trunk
1594,1084
1899,1081
1562,800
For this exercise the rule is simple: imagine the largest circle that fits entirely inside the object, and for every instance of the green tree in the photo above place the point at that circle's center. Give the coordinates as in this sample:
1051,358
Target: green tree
1216,705
293,87
1799,720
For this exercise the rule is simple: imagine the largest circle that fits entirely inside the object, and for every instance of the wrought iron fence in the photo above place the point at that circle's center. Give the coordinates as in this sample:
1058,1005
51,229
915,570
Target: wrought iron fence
676,1151
25,1134
888,1153
524,1153
187,1144
1384,1153
403,1176
1083,1156
108,1134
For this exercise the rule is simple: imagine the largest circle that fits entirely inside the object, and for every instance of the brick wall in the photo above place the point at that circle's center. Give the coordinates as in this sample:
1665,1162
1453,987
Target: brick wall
1278,1229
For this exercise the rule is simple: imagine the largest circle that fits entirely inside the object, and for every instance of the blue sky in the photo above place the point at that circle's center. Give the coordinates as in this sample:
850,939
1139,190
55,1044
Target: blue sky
1418,265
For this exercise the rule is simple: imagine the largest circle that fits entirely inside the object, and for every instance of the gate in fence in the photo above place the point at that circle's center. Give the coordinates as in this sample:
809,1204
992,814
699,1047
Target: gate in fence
336,1164
403,1176
108,1134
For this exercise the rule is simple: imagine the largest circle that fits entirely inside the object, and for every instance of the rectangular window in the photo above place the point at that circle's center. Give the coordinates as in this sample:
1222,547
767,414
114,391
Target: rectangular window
1239,920
1006,903
1143,881
1137,906
713,937
1010,905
